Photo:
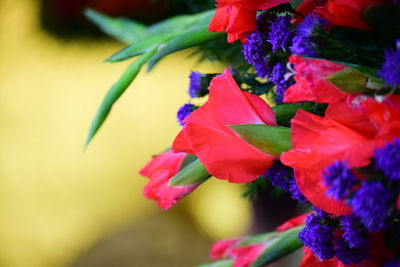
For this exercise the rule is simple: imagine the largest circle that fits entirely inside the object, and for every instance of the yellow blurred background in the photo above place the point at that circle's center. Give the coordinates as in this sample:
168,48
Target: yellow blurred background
63,206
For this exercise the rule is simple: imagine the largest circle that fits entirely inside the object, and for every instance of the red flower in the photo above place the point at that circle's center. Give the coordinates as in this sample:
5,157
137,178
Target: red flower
311,83
159,170
207,135
350,131
221,249
245,256
346,13
238,17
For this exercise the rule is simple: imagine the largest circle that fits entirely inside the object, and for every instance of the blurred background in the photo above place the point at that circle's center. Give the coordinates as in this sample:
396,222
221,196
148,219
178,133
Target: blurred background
63,206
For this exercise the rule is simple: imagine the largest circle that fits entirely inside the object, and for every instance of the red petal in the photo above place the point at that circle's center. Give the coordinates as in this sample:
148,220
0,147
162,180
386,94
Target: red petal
220,249
220,20
294,222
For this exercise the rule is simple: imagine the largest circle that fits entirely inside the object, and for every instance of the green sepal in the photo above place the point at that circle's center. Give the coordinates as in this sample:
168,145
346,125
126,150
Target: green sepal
122,29
284,244
193,173
349,80
295,3
223,263
272,140
116,91
285,112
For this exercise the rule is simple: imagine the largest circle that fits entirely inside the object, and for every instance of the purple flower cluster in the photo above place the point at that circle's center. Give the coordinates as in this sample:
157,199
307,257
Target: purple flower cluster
390,71
283,177
354,232
387,159
280,34
371,204
318,237
197,88
340,179
254,51
278,78
185,111
303,43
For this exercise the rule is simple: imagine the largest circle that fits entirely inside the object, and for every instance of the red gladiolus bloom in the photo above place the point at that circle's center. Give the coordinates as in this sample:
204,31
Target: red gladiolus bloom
238,17
207,135
311,83
350,131
159,170
245,256
221,249
346,13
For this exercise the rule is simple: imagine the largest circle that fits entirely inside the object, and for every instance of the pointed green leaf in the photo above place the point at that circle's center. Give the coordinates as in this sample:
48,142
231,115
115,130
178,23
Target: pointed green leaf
141,46
285,112
116,91
223,263
272,140
183,41
193,173
286,244
349,80
122,29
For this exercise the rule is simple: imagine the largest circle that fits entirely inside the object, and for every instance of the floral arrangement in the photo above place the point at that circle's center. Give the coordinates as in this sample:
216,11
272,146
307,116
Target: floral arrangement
309,103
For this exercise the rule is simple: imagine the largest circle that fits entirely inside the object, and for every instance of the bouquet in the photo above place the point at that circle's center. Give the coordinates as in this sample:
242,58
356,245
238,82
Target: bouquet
308,103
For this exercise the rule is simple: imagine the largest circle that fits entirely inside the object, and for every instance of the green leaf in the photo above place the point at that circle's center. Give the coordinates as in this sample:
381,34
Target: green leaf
349,80
193,173
282,246
285,112
122,29
223,263
272,140
183,41
141,46
116,91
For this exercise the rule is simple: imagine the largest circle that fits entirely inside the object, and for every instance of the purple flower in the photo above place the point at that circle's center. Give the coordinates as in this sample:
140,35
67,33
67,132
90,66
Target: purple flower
390,71
387,159
197,88
283,177
185,111
264,21
354,234
318,237
339,178
254,51
371,204
349,255
278,78
303,43
280,34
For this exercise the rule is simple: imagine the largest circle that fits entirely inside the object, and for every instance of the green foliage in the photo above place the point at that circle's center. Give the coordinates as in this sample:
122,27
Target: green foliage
193,173
272,140
152,43
122,29
286,243
223,263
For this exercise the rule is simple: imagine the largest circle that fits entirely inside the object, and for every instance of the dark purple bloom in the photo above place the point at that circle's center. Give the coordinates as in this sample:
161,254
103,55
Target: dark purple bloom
354,234
185,111
280,34
303,43
303,46
254,51
340,179
295,192
371,204
278,78
197,88
390,71
387,159
318,237
349,255
283,177
280,176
